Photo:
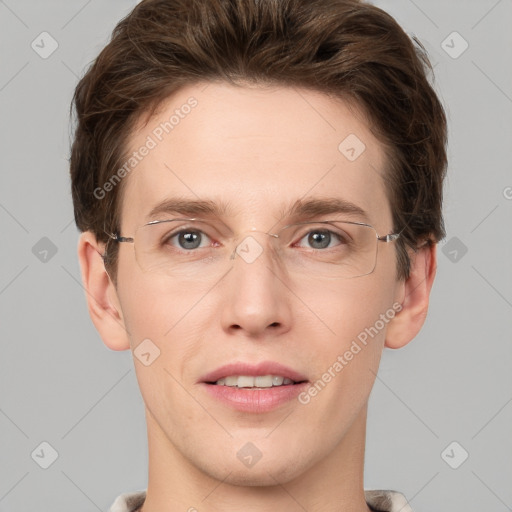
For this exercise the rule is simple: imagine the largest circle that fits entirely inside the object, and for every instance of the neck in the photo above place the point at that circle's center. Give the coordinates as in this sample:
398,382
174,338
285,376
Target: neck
333,483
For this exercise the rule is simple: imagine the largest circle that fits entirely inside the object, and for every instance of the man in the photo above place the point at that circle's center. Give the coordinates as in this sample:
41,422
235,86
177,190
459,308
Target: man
258,184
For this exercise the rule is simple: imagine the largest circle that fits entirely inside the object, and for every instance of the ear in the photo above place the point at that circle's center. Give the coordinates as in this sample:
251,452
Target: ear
414,298
101,294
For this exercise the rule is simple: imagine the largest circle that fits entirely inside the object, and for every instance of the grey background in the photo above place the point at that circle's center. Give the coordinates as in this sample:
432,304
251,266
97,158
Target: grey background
59,384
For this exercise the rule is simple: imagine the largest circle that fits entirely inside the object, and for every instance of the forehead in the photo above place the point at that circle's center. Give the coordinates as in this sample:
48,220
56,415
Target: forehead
254,150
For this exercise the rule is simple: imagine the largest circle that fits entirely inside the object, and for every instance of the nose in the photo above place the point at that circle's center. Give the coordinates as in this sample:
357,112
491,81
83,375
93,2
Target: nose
256,295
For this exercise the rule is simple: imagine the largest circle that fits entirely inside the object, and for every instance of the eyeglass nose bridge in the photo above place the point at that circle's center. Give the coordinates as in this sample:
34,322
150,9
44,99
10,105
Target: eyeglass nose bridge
247,247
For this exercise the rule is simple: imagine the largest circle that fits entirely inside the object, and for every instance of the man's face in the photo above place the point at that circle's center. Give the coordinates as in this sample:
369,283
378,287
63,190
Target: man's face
258,151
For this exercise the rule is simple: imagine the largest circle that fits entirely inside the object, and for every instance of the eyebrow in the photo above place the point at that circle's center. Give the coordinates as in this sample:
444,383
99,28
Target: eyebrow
308,208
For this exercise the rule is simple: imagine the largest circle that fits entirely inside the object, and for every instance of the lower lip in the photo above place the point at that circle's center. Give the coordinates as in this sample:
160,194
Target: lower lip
255,400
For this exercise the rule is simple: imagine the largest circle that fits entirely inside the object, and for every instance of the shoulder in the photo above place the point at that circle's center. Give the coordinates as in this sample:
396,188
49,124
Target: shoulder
387,501
128,501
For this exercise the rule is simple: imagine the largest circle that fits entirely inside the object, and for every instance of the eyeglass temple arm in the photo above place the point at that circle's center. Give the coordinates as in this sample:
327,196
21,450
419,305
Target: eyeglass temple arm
389,237
118,238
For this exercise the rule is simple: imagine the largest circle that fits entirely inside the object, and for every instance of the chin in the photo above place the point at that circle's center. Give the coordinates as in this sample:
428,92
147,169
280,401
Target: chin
277,468
262,477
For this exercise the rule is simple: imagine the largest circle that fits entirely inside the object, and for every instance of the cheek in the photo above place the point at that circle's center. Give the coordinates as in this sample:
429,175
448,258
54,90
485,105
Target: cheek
162,333
153,306
354,316
162,321
346,307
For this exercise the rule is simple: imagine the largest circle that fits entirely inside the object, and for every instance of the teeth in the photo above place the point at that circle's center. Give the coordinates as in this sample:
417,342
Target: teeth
277,380
248,381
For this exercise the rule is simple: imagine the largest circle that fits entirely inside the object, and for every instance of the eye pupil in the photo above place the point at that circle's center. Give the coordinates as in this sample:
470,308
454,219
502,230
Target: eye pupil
190,239
323,237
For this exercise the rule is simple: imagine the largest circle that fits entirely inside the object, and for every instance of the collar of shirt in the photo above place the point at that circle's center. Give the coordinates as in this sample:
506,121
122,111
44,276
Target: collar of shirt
377,500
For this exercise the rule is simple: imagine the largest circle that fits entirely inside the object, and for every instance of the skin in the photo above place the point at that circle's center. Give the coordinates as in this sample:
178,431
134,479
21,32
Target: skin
258,149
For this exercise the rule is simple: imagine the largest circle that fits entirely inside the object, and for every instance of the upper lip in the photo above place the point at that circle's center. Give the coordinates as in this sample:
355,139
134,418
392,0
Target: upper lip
262,368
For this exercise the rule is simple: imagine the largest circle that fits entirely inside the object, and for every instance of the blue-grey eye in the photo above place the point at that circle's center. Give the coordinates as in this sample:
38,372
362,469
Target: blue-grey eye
188,239
322,239
319,239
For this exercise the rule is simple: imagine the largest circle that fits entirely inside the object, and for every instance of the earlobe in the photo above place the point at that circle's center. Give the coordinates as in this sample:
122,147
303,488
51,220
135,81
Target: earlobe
101,294
415,293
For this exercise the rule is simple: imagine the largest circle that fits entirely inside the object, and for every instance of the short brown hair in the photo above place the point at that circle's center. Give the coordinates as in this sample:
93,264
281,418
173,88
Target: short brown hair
345,48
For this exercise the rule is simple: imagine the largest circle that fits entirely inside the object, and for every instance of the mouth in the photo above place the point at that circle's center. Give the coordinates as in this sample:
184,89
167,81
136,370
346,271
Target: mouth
254,388
255,382
263,375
